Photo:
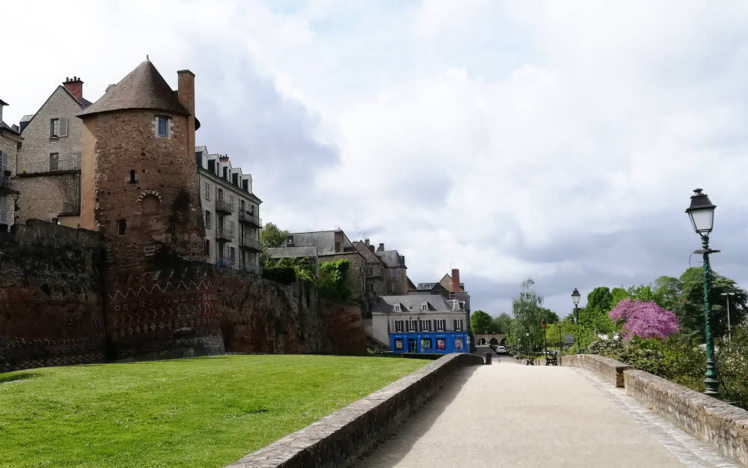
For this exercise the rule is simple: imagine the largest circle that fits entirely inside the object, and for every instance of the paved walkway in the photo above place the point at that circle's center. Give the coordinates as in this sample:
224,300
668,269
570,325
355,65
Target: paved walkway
511,415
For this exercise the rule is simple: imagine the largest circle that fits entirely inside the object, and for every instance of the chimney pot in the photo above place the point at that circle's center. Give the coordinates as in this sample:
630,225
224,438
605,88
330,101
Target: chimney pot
74,87
381,247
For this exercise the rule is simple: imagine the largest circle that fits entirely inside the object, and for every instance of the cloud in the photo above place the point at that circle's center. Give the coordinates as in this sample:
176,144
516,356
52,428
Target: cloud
552,141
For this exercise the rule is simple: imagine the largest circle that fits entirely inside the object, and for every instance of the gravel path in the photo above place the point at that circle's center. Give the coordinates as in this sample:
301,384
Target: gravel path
511,415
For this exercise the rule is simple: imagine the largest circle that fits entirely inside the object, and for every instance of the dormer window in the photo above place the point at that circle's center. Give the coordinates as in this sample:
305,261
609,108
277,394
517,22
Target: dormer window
424,306
397,307
462,305
163,126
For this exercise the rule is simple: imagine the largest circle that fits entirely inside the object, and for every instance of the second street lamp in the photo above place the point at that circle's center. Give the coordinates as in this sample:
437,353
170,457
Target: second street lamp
729,327
545,343
701,213
575,296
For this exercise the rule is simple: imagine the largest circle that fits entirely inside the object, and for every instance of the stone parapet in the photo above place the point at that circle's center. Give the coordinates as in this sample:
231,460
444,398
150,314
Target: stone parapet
608,369
336,440
721,425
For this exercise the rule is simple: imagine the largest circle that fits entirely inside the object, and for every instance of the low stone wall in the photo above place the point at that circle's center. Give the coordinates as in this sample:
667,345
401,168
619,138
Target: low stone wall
721,425
336,440
606,368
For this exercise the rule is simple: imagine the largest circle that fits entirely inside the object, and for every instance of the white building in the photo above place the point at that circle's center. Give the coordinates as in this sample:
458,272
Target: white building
231,213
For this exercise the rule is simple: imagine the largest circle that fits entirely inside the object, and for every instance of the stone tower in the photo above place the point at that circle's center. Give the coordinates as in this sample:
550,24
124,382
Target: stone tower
139,190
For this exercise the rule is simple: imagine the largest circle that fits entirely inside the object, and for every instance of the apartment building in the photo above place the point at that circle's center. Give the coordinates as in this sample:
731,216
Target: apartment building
10,141
231,213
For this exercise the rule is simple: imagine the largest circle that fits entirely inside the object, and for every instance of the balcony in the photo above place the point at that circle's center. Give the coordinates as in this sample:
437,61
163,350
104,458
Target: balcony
250,219
224,235
7,184
224,207
250,244
71,208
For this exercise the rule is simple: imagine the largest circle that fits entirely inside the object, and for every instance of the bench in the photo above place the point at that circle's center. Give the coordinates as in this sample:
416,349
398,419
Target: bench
551,361
529,362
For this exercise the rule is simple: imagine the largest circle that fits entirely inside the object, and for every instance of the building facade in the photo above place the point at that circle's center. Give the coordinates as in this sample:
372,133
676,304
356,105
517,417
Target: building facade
48,163
10,142
231,213
420,323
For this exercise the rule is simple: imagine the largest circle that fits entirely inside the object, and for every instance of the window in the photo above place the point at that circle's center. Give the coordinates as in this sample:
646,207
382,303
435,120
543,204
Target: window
458,343
220,194
233,255
121,227
399,344
426,325
58,128
393,272
4,210
54,161
441,343
241,205
207,220
207,248
163,124
412,326
399,326
132,179
207,191
425,344
424,306
458,325
440,325
397,307
462,305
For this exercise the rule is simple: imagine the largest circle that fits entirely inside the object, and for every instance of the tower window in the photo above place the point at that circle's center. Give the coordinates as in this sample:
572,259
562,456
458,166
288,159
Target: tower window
207,248
132,179
121,227
54,161
163,126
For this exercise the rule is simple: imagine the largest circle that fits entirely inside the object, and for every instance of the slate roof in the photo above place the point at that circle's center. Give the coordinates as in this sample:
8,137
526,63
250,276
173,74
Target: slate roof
142,88
323,240
411,303
391,258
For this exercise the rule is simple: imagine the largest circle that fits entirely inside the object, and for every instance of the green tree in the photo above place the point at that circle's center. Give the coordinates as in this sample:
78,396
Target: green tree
481,322
332,280
528,313
691,312
502,323
272,236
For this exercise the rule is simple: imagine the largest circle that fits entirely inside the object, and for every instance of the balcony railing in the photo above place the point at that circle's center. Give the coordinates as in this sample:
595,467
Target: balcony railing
249,218
250,244
222,206
53,165
224,234
71,208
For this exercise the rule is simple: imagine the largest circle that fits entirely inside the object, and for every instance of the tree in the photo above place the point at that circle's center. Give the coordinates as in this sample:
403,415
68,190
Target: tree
481,322
332,280
644,319
272,236
528,314
502,323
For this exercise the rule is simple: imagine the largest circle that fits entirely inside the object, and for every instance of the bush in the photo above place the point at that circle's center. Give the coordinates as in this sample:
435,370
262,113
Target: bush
332,280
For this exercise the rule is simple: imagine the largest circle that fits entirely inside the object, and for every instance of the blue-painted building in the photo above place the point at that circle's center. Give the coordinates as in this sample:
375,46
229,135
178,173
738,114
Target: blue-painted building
430,343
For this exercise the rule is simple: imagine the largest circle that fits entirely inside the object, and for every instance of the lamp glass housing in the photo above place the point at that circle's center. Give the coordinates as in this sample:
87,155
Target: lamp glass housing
575,296
701,212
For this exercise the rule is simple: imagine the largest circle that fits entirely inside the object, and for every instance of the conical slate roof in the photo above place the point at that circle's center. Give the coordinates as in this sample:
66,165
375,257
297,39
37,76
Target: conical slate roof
142,88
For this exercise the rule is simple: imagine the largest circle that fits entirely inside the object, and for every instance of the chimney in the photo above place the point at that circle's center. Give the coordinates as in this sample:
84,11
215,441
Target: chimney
381,248
75,86
186,95
223,158
402,259
455,280
366,242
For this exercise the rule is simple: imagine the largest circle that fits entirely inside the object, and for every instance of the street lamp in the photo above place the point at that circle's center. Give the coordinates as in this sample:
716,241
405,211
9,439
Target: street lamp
545,343
575,297
527,346
701,213
729,327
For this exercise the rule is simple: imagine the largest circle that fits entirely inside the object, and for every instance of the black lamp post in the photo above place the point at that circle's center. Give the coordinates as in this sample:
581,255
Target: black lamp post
575,296
545,343
701,213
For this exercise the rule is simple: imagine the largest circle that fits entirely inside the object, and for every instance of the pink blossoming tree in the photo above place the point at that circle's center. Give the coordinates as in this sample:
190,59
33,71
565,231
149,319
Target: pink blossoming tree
644,319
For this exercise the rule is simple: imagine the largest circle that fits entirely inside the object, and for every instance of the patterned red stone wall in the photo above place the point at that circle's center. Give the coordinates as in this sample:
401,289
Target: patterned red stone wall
51,310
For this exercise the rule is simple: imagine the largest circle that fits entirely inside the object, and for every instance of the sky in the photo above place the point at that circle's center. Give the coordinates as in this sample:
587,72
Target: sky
558,141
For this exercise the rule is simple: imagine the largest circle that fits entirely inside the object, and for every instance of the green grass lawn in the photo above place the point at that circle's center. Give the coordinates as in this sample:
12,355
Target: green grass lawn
204,412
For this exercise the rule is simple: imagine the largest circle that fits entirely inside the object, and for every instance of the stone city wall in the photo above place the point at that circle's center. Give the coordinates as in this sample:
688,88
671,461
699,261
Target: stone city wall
336,440
610,370
721,425
51,309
